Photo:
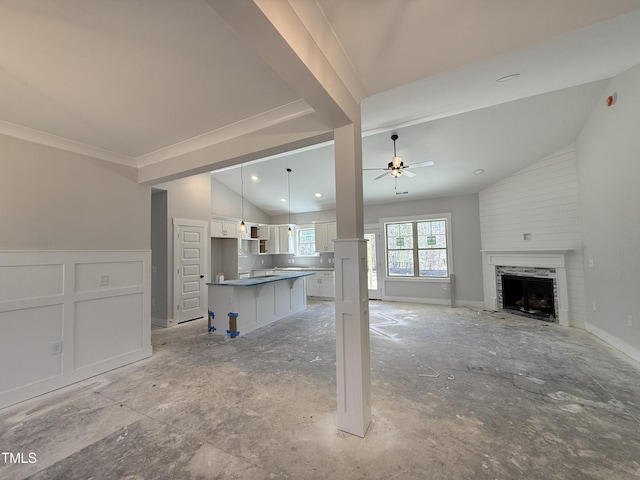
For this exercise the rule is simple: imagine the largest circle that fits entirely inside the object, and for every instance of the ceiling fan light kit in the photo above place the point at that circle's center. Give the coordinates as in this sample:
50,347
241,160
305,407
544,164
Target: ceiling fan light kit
396,167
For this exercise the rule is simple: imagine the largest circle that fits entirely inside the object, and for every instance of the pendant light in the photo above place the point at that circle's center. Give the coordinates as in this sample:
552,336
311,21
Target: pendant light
243,227
289,232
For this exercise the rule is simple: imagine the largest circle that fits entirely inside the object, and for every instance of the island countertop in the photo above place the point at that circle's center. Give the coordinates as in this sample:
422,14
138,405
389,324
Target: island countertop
253,281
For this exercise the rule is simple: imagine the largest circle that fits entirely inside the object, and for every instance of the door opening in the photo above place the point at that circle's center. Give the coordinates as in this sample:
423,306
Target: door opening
373,280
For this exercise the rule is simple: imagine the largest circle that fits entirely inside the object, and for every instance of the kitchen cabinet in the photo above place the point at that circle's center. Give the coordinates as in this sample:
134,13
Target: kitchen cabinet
262,232
286,243
257,301
261,273
221,228
246,235
322,284
279,240
325,234
224,257
255,232
272,245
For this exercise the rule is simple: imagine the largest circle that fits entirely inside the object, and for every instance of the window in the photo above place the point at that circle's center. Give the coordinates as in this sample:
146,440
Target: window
306,241
417,248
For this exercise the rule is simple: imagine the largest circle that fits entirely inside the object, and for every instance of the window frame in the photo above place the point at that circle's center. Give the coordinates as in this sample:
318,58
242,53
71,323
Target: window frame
415,248
299,229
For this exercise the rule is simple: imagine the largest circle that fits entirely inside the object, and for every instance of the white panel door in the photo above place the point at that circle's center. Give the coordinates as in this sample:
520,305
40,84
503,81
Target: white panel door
190,255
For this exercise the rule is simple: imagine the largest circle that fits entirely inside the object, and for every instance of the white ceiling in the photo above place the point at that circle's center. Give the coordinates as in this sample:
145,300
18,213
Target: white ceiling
141,81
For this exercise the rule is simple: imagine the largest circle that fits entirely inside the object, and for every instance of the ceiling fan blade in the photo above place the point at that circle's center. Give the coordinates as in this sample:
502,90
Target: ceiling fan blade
380,176
408,173
421,164
385,169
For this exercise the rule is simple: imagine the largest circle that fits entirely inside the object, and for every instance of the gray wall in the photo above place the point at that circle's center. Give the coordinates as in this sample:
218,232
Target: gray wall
56,200
465,237
304,218
227,203
186,198
608,172
159,255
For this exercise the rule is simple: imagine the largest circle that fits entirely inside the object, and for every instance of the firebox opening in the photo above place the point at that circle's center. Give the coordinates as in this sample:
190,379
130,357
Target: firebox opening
529,295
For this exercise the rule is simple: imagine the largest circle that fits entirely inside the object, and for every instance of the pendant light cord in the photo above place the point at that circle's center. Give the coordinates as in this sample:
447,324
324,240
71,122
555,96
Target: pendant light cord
241,194
289,193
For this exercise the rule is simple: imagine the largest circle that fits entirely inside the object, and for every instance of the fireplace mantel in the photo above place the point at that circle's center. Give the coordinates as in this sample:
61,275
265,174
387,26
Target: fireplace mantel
530,251
531,257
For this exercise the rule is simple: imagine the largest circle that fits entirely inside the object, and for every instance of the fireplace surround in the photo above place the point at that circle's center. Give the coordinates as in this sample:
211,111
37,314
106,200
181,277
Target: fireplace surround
528,291
534,263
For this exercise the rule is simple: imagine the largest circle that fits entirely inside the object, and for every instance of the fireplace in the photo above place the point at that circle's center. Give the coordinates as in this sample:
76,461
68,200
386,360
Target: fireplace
543,264
529,295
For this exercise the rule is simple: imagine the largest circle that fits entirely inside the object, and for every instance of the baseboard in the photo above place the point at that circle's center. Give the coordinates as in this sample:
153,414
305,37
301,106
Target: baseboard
434,301
615,342
163,322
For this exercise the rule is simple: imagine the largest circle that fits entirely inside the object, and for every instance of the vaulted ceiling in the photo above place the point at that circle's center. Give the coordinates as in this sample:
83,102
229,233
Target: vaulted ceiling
175,87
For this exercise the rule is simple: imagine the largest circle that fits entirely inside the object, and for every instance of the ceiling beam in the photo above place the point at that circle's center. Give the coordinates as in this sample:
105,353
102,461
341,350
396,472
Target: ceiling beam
283,137
280,37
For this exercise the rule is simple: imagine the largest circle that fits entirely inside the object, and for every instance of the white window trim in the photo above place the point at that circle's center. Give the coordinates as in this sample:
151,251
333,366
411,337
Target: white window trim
418,218
309,226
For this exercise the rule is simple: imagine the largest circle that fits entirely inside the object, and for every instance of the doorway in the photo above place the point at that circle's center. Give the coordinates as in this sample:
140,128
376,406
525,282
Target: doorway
372,235
160,303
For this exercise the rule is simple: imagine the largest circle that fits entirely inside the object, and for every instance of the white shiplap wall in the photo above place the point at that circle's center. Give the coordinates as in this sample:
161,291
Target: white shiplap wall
542,201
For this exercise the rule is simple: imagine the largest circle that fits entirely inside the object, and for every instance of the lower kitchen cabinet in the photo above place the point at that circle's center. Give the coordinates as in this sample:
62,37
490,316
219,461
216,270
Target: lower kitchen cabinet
322,284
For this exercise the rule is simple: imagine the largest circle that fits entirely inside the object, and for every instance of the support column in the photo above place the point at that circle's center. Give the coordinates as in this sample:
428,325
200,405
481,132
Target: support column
353,370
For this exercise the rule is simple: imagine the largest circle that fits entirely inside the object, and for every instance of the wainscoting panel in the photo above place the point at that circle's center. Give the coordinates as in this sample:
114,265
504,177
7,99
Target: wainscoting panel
26,345
102,275
68,315
106,328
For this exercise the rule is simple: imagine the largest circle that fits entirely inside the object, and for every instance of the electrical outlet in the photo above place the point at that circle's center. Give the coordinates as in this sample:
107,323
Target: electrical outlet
104,280
444,286
594,307
56,348
590,263
153,269
630,320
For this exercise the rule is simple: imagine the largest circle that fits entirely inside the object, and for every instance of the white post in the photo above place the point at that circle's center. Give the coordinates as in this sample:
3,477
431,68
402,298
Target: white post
352,297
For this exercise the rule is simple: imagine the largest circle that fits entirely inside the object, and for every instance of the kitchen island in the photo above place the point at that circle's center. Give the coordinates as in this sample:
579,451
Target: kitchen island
258,301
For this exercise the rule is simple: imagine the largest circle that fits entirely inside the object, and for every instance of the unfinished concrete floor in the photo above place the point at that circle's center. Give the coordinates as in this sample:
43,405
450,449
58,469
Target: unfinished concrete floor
457,394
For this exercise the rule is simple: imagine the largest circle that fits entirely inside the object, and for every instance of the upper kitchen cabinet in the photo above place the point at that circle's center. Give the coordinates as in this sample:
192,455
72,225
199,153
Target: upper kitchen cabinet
279,240
221,228
272,245
248,231
287,242
326,233
262,232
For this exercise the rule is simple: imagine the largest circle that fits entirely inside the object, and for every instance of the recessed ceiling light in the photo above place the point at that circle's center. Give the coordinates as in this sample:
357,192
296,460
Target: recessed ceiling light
479,171
283,200
254,177
506,78
317,195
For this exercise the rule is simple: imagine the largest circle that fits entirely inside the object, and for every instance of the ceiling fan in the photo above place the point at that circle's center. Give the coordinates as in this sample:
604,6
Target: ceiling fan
396,167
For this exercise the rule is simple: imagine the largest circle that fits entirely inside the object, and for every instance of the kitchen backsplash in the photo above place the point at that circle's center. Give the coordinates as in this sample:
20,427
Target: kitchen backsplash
249,262
323,260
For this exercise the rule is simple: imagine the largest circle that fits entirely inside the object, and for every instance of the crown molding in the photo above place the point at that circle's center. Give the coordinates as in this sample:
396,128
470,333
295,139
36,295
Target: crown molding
263,120
42,138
